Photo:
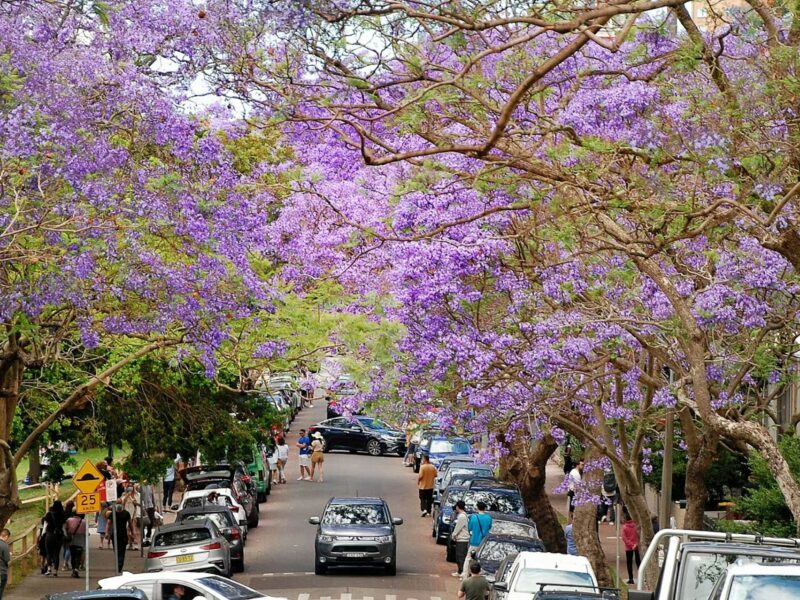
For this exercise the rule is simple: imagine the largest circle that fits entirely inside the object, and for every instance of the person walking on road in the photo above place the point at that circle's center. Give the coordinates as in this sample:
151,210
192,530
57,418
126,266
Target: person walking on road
476,586
480,524
460,536
54,536
149,507
425,480
169,482
575,477
76,533
5,559
304,455
120,537
317,455
283,457
630,537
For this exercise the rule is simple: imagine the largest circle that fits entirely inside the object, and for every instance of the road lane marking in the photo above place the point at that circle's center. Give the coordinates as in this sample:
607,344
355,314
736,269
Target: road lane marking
435,598
303,596
346,596
391,597
367,598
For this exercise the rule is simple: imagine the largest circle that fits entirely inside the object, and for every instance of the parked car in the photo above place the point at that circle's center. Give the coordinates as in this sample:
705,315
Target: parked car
424,440
341,433
498,496
531,569
495,547
358,531
502,574
120,594
259,471
436,448
452,459
225,521
234,478
160,586
200,499
503,524
442,515
193,546
468,470
758,581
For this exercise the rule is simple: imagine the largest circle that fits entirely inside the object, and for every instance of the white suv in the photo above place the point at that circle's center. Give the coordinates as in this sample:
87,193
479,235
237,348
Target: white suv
758,581
532,569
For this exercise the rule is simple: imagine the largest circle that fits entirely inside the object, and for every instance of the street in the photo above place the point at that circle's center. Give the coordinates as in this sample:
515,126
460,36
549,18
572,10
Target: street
279,558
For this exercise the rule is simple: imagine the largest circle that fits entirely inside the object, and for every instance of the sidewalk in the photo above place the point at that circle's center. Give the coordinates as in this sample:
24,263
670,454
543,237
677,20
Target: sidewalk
607,532
101,565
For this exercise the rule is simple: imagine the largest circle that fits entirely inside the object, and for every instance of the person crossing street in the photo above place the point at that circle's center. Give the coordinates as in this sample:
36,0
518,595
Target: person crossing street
425,480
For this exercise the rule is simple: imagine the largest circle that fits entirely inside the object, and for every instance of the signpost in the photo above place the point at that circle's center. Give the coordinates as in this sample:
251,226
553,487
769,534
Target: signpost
88,480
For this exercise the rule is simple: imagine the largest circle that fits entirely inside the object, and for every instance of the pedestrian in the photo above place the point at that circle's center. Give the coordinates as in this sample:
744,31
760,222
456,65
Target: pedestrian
283,458
425,480
630,538
169,482
575,477
131,502
76,534
69,510
317,455
5,559
148,500
460,536
480,524
608,501
569,464
304,454
54,536
272,461
570,536
123,519
474,587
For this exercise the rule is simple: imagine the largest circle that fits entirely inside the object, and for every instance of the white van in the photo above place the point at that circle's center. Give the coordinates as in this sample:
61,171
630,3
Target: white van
532,569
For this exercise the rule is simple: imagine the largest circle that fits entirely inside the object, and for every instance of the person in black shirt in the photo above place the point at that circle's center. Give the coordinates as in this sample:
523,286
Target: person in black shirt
123,518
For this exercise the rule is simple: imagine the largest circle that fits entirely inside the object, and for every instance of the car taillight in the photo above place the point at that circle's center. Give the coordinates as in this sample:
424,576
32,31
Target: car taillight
214,546
155,554
235,534
234,508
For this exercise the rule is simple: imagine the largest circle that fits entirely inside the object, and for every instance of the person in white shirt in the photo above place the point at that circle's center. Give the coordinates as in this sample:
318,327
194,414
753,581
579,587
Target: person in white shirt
283,457
575,477
460,536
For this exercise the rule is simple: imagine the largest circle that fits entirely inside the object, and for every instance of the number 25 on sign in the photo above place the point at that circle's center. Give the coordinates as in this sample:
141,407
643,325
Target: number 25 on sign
87,503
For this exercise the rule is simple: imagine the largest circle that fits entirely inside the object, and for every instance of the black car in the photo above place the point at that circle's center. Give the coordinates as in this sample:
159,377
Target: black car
234,477
498,496
494,548
355,531
341,433
513,524
120,594
227,524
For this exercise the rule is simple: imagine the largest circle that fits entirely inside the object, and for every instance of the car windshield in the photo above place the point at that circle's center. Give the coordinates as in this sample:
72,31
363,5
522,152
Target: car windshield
512,528
182,537
529,580
502,501
471,471
454,496
449,447
497,550
218,518
701,570
200,501
765,587
229,589
355,514
374,424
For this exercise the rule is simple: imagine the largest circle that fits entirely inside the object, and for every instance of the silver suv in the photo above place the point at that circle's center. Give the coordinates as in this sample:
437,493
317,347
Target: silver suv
355,531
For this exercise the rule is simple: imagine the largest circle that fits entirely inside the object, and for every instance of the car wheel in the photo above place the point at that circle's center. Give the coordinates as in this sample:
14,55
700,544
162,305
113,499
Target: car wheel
374,448
254,518
262,497
238,565
391,568
319,568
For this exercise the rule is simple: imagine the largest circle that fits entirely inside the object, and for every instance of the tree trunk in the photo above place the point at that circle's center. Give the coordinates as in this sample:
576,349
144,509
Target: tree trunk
34,466
697,467
584,526
10,382
527,467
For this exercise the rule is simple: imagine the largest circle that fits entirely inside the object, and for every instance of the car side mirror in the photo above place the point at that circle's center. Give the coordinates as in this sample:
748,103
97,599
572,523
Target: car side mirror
500,586
313,520
397,521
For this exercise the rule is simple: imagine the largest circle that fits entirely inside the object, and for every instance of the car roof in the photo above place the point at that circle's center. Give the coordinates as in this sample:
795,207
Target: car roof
498,516
552,560
358,500
499,486
204,510
506,537
183,526
223,491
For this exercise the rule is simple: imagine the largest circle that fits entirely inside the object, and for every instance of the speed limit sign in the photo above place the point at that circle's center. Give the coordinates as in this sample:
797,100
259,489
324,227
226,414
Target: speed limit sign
87,503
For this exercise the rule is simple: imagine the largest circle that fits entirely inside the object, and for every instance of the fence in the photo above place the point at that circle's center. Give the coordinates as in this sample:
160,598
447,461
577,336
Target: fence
50,494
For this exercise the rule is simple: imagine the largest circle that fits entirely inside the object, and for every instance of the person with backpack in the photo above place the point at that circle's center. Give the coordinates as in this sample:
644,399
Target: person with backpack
608,502
479,524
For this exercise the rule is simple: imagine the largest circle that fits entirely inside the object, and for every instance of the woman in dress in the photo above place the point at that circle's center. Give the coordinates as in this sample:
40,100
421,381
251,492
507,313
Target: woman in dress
317,455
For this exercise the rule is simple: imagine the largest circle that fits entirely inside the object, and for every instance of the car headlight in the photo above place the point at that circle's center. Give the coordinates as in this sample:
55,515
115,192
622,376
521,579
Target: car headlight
381,539
327,538
387,438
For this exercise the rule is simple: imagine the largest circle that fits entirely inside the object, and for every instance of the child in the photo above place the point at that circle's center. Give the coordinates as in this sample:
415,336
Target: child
630,537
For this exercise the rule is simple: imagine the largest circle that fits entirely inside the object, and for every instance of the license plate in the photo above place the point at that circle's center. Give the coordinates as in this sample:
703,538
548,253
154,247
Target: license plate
355,554
184,559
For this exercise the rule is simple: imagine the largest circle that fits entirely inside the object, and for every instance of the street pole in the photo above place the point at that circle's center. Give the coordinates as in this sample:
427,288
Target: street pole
665,508
86,548
616,523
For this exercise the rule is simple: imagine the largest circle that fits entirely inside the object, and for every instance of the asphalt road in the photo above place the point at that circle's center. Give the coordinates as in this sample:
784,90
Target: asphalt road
279,557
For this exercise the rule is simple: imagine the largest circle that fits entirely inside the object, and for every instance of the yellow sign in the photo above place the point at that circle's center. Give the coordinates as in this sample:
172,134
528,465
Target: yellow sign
87,503
87,478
